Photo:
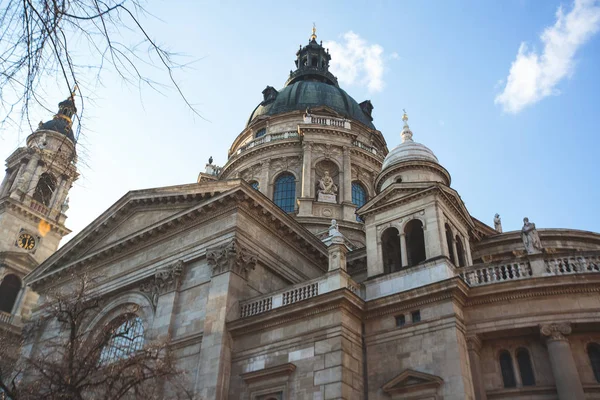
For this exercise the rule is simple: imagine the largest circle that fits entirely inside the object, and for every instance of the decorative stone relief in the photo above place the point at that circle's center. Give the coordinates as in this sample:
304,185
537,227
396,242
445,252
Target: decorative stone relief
327,150
232,257
252,173
285,164
165,280
555,331
473,343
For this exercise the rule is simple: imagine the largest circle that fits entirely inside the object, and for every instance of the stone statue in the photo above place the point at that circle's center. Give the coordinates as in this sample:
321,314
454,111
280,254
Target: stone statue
497,223
531,239
326,185
333,228
65,206
41,144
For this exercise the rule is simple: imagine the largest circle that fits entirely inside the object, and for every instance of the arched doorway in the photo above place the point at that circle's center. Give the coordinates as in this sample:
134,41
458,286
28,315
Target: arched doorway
415,242
9,290
390,247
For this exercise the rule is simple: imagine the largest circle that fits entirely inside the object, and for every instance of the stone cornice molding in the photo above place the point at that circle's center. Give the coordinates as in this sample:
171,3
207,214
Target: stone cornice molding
531,288
235,160
412,165
453,289
166,279
8,203
231,257
555,331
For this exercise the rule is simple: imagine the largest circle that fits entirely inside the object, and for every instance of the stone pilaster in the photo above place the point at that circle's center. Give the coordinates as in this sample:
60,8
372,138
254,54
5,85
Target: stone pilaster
230,265
568,383
455,250
306,170
263,183
162,289
337,254
474,348
347,176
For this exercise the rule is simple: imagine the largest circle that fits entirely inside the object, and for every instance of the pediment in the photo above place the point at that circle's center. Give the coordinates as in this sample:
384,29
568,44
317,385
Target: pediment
410,381
24,262
137,220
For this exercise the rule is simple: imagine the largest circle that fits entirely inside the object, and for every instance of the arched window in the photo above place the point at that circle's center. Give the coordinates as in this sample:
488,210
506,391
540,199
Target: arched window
284,194
254,185
390,247
9,290
261,132
449,243
44,189
594,355
359,197
525,368
508,372
124,337
461,252
415,242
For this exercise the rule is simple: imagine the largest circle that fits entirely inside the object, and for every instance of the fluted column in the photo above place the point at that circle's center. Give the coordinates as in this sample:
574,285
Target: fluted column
403,251
474,348
568,383
306,169
347,176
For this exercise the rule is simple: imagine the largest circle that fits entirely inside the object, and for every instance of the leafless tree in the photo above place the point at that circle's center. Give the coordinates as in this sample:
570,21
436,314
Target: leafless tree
64,40
66,359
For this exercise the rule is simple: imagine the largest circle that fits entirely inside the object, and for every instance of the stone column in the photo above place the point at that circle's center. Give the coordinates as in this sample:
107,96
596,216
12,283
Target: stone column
163,290
57,195
32,182
468,255
230,265
403,251
474,347
21,172
347,165
306,169
456,256
568,383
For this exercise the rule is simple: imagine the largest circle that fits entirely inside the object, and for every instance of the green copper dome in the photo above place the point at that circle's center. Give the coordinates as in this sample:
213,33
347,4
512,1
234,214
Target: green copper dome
304,94
312,85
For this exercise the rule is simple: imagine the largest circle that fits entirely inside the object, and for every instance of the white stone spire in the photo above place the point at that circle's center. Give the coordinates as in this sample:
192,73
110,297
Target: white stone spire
406,132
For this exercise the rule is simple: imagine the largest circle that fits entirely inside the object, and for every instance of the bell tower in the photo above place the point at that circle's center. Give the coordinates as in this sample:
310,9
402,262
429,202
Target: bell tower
33,204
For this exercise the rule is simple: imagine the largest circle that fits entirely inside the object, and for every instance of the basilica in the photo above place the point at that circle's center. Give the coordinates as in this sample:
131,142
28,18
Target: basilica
316,263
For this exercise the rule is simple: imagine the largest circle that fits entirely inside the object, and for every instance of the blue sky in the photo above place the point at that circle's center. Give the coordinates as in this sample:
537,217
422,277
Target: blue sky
520,142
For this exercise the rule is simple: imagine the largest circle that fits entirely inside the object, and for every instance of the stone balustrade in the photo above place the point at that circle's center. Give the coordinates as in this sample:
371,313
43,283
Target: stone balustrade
487,274
365,146
297,293
39,207
270,137
328,121
564,265
6,318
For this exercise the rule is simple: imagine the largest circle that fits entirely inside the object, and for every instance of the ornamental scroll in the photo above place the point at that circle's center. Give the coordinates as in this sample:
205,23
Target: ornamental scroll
165,280
555,331
231,256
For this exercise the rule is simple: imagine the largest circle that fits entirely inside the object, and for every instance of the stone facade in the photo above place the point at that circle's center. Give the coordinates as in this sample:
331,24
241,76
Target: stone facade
414,299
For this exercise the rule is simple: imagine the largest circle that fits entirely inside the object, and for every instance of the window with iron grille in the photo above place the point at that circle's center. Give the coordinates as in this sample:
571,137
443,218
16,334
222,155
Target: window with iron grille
125,339
284,194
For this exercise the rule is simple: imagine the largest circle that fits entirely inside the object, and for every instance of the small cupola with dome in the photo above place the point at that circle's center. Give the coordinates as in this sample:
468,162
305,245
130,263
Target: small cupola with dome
312,63
410,162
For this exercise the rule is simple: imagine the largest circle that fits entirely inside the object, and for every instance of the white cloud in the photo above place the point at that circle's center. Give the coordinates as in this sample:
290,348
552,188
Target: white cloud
354,61
534,76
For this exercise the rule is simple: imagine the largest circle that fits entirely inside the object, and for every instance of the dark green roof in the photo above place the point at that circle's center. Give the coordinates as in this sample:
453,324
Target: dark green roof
304,94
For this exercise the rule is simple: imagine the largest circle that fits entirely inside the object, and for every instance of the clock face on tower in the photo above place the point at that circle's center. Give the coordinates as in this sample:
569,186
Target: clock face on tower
26,241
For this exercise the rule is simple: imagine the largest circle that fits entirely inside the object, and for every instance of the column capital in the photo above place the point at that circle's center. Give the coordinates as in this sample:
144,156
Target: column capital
473,343
231,256
165,279
555,331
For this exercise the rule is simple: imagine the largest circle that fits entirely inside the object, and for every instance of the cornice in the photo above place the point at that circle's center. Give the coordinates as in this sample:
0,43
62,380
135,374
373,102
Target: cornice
234,161
8,203
451,289
532,288
416,164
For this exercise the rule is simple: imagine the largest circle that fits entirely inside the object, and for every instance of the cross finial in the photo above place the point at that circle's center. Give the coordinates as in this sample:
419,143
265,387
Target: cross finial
314,32
74,90
405,116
